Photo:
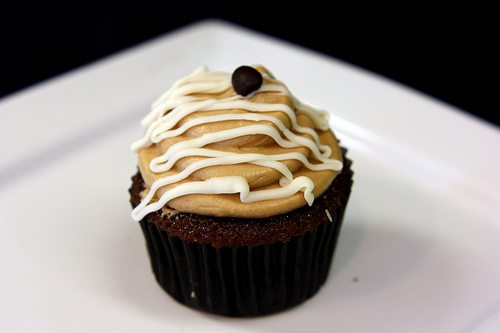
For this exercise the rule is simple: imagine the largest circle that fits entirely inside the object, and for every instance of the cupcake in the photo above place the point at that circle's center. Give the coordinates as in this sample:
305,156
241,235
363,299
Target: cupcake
240,192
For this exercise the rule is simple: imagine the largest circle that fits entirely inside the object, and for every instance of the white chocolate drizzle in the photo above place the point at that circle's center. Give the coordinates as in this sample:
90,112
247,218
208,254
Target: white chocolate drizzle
183,100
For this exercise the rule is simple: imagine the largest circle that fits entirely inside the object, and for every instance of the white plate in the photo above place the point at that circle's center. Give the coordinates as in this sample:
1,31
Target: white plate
419,250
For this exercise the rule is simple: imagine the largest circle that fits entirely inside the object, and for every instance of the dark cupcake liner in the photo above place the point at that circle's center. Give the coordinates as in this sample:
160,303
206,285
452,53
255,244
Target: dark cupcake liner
243,281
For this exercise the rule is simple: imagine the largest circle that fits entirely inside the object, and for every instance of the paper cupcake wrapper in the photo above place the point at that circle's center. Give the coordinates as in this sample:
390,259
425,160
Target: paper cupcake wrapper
243,281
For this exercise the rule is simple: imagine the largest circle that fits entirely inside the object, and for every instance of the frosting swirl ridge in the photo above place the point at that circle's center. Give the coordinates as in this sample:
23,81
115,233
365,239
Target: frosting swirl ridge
208,150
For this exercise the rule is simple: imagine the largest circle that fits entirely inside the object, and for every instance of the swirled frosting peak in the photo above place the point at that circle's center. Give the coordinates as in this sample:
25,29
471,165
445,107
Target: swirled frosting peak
209,150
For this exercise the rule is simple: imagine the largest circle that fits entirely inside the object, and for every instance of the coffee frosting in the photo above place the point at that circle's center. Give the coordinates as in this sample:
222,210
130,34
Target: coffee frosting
208,150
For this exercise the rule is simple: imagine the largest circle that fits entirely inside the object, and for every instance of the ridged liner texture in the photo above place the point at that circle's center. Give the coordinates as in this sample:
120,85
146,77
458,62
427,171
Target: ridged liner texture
242,281
245,281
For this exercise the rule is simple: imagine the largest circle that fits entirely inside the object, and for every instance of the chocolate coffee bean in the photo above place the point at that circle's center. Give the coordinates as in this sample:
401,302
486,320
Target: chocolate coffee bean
246,79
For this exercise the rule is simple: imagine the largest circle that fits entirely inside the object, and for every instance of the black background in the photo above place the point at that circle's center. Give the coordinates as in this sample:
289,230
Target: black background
445,51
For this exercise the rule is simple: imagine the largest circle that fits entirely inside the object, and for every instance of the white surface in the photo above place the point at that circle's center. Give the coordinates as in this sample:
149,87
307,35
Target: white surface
419,250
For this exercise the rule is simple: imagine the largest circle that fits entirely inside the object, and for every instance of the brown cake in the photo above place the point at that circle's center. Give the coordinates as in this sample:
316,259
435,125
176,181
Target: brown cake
246,223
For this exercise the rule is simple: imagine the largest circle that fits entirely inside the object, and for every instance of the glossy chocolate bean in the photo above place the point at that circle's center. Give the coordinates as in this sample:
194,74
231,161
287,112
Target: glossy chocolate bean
246,79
